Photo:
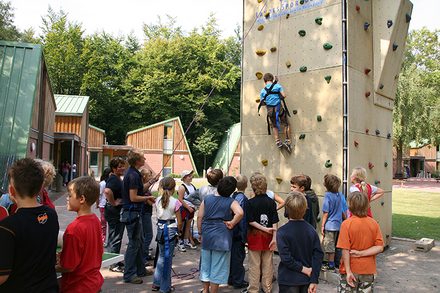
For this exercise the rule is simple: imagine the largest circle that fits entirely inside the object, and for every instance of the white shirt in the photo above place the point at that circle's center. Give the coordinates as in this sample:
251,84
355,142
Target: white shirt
168,213
353,188
102,199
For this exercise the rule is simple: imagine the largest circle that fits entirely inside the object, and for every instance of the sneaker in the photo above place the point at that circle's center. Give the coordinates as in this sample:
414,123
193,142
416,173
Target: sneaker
288,146
279,144
241,286
327,268
155,288
190,245
181,247
116,269
135,280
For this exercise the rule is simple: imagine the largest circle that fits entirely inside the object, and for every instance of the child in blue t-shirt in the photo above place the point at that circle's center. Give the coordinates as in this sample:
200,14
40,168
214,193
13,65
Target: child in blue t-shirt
333,212
272,95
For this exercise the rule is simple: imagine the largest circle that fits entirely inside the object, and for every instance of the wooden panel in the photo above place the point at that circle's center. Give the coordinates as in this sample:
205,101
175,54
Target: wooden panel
68,124
49,110
96,138
147,139
178,137
84,125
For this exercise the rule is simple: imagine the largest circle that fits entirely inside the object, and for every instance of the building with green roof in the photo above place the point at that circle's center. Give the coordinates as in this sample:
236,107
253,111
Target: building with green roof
27,105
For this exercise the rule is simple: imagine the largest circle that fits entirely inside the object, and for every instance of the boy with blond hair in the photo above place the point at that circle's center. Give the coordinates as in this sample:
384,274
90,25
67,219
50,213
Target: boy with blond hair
29,237
333,212
80,259
299,249
262,217
361,240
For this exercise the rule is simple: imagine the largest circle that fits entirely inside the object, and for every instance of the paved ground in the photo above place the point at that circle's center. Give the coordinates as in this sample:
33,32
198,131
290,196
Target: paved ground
400,269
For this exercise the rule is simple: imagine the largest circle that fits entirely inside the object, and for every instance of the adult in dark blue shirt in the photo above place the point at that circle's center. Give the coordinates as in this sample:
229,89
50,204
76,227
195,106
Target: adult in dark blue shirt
133,199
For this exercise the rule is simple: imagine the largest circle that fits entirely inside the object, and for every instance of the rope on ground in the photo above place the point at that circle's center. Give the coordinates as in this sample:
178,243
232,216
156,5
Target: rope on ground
185,276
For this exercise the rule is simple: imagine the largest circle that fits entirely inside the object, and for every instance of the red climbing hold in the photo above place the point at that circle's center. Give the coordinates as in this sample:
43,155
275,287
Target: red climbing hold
358,8
356,143
367,70
367,130
367,94
370,165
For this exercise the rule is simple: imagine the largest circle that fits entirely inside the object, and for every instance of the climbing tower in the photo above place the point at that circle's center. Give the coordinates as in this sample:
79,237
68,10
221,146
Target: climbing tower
338,62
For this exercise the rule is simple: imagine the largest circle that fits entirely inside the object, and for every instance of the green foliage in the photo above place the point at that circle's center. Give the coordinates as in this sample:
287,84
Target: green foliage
8,31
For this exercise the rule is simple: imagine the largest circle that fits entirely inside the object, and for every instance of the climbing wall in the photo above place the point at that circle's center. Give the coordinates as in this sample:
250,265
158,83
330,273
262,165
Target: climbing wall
340,100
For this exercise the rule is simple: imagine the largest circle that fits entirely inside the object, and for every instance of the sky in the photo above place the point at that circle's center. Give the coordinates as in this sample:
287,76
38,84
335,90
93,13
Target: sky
128,16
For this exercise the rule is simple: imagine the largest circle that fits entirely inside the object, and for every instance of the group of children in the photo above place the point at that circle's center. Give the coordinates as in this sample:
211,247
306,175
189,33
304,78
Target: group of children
225,210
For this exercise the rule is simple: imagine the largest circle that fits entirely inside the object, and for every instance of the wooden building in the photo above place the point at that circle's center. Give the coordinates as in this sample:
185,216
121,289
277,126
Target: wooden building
71,132
97,141
165,146
27,106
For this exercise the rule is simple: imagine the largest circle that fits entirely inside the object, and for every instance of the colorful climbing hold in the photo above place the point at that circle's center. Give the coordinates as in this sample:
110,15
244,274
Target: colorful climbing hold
389,135
318,20
367,94
303,68
260,27
381,86
408,17
264,162
302,33
319,118
295,112
267,14
377,182
385,164
259,1
287,16
327,46
370,165
260,52
279,180
367,70
358,8
301,2
356,143
302,136
259,75
377,131
366,25
328,78
389,23
367,130
395,46
328,164
288,64
273,49
257,100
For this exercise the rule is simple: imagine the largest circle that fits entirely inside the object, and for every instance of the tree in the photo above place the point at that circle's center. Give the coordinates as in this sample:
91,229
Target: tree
8,31
205,144
63,44
416,113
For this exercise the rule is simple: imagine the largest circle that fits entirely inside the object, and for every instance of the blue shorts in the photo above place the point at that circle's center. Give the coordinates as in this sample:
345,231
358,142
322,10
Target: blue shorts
214,266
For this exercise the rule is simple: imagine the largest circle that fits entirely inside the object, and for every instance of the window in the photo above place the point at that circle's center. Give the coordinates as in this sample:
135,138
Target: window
167,160
93,158
168,132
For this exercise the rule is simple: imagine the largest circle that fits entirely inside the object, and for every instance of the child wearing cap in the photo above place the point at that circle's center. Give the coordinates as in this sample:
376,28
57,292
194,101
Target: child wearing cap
187,210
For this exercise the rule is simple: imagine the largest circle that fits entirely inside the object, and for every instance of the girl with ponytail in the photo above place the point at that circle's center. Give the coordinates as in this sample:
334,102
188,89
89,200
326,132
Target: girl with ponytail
358,178
169,226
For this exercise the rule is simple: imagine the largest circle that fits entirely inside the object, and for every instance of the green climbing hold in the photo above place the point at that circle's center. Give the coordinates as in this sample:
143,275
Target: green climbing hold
287,16
381,86
318,20
295,112
385,164
327,46
395,46
376,182
301,2
408,17
328,78
319,118
303,68
302,136
302,33
328,164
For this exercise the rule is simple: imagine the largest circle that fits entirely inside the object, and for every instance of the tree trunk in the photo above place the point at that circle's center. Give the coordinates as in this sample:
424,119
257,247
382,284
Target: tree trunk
399,159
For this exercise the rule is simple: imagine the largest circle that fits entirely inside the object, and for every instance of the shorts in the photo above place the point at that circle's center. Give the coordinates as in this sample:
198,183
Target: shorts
282,117
329,242
186,215
364,283
214,266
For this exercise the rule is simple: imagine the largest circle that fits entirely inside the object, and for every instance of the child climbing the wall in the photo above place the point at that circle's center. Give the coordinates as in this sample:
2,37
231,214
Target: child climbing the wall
272,95
358,177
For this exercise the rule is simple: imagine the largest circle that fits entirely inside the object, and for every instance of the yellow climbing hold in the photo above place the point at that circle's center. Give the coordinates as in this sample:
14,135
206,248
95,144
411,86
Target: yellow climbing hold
264,162
259,1
260,52
288,64
259,75
267,14
257,100
279,180
260,27
273,49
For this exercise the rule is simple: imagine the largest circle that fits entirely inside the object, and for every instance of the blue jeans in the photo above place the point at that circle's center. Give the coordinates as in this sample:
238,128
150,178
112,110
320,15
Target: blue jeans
115,228
236,272
147,230
134,265
162,274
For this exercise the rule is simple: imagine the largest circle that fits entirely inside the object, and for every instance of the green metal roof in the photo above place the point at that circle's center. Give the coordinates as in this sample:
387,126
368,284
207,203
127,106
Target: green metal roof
225,153
20,65
70,105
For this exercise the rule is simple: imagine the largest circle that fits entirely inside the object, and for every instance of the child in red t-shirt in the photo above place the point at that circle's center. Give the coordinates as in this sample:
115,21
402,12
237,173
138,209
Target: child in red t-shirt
361,240
81,256
262,217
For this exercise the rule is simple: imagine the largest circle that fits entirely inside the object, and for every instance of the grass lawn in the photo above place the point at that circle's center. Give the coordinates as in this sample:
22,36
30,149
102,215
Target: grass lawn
416,214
